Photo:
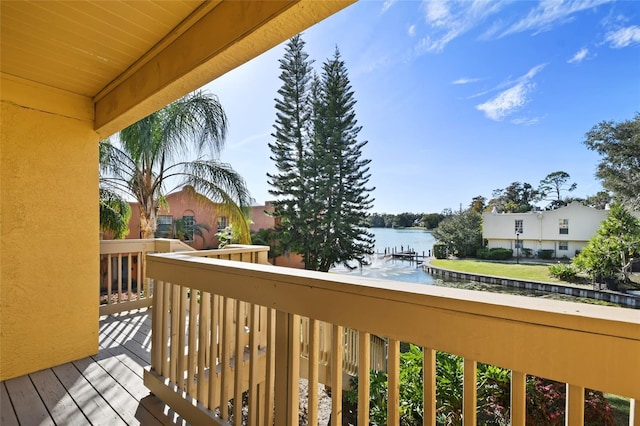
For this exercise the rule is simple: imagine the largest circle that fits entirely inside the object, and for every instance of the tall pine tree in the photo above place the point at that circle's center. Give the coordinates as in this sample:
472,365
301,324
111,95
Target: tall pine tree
321,181
342,192
290,147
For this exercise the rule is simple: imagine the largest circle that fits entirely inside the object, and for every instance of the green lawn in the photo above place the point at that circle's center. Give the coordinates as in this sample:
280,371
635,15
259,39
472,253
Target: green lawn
508,270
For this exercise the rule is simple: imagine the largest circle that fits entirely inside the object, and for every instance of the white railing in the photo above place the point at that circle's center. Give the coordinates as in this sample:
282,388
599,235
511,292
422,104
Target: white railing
585,346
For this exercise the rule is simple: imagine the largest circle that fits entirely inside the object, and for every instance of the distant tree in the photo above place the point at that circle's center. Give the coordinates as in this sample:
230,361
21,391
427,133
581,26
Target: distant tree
461,233
619,168
478,204
432,220
376,220
115,213
515,198
405,220
599,201
609,252
551,187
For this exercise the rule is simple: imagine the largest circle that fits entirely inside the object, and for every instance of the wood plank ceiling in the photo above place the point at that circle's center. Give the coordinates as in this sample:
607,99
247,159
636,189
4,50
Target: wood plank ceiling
82,46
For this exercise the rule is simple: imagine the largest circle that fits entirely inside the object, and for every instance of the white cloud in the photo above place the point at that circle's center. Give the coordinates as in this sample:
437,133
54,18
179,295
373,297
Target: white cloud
449,19
579,56
387,5
411,30
623,37
465,80
551,12
512,99
526,121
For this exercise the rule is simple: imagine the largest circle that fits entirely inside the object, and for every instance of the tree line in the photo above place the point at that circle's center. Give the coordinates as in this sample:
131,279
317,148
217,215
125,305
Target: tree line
611,253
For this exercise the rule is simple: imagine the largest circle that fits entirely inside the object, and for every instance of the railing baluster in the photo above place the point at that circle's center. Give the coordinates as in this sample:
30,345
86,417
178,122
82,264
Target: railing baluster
214,383
109,278
156,324
270,368
139,277
470,392
227,345
429,386
314,330
287,368
574,409
254,339
129,276
393,382
119,278
182,337
238,363
364,365
518,398
203,334
175,333
164,346
336,374
191,354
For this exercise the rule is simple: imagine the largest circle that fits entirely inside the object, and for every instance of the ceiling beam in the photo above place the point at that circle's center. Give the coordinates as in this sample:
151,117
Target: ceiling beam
222,38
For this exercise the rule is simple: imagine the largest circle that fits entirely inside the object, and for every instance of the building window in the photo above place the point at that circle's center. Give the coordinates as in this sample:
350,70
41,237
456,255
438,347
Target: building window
519,227
189,225
564,226
222,223
165,227
563,245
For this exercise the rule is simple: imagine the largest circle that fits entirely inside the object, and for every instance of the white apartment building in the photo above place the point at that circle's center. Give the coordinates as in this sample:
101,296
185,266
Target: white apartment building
565,230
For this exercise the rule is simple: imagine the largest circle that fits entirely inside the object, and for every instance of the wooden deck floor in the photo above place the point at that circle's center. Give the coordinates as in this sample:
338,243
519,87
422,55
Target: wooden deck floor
105,389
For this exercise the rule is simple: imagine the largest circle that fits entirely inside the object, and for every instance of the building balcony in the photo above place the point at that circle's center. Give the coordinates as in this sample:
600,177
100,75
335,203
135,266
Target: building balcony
227,327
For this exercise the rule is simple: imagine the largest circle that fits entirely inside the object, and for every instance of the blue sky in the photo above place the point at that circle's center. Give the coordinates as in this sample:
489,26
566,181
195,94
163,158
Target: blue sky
457,98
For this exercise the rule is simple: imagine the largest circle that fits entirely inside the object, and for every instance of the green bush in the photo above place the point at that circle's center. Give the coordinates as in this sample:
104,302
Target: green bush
527,252
546,254
545,398
564,272
440,251
496,253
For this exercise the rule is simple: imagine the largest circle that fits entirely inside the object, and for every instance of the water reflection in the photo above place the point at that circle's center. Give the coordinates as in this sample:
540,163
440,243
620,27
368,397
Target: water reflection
405,271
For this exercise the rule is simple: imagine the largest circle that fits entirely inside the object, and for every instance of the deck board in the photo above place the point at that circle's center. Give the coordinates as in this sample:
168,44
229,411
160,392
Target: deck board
26,402
59,403
7,415
104,389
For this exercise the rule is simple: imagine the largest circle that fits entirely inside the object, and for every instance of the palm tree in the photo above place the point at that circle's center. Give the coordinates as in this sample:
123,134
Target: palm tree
154,152
115,213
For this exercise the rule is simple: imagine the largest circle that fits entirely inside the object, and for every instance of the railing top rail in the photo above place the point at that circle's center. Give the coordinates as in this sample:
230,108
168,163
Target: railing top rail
595,346
231,249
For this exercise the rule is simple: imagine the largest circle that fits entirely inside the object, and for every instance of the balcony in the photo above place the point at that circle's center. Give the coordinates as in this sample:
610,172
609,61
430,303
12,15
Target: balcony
211,308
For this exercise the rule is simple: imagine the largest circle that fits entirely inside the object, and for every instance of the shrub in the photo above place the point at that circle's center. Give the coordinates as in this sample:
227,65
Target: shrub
527,252
545,398
440,251
563,272
496,253
546,254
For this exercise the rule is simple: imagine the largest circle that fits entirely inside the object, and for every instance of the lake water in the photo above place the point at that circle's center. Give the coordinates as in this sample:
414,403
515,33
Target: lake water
401,270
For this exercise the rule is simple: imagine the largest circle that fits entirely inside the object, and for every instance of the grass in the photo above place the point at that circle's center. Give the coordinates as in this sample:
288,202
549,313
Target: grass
620,407
507,270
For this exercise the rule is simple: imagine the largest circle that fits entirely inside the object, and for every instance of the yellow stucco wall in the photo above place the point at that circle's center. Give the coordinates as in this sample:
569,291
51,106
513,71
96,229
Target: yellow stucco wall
49,233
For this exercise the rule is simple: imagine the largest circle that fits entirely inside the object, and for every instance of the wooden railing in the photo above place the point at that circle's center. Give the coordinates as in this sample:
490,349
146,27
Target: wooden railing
194,368
123,285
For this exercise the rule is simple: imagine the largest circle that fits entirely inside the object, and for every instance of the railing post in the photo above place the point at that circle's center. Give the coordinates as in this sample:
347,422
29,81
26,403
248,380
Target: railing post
429,386
470,391
518,398
574,410
287,368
